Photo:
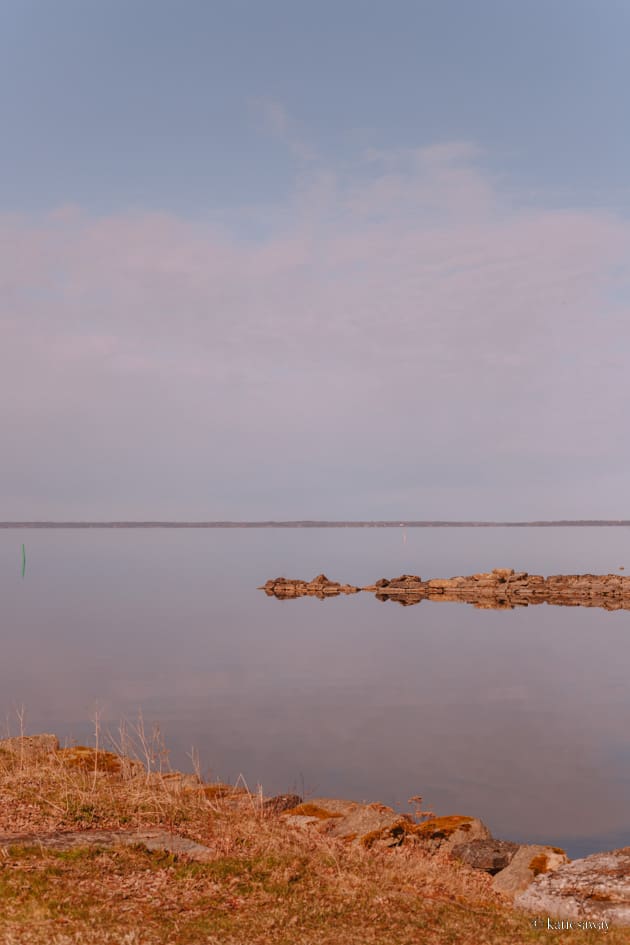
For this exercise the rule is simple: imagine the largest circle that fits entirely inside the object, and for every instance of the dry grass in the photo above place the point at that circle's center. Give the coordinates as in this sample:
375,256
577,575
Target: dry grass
268,882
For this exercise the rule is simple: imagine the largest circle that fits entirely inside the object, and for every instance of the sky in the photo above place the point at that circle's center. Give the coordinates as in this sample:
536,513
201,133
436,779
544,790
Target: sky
295,260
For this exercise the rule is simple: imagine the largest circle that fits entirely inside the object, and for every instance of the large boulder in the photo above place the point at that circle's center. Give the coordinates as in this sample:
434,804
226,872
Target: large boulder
528,862
347,820
441,834
364,821
446,833
594,889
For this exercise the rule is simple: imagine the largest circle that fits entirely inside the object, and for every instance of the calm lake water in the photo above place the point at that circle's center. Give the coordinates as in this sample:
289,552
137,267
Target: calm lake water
518,717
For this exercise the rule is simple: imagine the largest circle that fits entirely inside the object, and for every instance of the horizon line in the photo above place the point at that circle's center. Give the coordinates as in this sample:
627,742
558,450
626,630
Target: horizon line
315,523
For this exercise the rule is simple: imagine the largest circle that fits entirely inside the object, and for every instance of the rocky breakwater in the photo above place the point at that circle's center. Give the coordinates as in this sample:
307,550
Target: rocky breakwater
321,587
500,589
505,588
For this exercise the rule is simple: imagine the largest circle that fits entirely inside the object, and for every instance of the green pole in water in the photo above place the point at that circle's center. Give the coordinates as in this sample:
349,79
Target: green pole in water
23,560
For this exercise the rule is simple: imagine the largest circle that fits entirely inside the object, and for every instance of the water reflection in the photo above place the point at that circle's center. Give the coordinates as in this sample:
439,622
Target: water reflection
516,716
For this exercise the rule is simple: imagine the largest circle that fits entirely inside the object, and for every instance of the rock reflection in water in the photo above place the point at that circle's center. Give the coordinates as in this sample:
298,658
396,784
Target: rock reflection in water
500,589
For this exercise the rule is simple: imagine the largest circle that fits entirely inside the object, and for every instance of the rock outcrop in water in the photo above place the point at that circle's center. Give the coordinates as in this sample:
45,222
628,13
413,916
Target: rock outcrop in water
320,586
500,589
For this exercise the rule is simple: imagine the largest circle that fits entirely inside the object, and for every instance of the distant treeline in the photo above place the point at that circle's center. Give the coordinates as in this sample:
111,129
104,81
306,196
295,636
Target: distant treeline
323,524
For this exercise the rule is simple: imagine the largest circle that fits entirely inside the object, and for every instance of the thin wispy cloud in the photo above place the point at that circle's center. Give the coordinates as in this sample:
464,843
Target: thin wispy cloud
403,315
273,118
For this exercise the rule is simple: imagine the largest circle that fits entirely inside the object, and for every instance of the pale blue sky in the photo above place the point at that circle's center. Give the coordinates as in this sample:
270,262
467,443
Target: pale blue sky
146,103
289,259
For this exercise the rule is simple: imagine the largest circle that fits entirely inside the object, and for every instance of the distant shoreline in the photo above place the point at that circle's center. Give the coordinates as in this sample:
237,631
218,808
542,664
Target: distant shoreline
561,523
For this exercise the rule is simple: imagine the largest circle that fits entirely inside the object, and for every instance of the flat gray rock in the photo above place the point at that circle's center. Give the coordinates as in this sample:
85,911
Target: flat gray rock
72,840
595,888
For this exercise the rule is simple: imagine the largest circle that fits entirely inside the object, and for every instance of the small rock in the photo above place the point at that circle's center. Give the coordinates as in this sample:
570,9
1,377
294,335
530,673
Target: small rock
503,573
527,863
488,855
281,802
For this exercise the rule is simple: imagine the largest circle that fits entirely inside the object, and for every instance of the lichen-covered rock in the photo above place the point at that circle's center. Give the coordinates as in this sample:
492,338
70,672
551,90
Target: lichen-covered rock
318,813
596,888
441,834
488,855
446,833
312,811
530,861
345,819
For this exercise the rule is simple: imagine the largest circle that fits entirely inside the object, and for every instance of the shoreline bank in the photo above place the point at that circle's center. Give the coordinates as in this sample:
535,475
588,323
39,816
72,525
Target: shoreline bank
82,802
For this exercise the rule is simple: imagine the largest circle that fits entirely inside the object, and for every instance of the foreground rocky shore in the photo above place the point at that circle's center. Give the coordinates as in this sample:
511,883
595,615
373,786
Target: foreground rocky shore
73,805
500,589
